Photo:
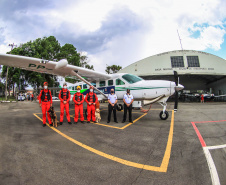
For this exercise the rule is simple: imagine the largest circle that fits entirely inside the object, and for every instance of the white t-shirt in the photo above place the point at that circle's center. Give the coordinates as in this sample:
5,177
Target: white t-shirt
128,98
112,98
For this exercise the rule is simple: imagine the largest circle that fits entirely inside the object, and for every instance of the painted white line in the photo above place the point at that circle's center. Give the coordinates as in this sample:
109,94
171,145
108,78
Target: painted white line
212,167
215,147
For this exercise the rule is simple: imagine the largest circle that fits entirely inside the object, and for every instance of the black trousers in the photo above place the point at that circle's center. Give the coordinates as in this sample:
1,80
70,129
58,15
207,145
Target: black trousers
125,112
110,108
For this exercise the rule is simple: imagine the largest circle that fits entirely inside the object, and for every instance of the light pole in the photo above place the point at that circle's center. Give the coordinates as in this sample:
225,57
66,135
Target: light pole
12,45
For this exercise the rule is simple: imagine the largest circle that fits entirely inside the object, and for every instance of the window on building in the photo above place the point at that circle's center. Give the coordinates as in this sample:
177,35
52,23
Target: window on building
110,82
193,61
73,88
177,61
102,83
119,82
84,86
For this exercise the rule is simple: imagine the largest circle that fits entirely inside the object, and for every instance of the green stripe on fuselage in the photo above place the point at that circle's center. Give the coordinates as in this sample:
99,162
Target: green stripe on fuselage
81,91
137,88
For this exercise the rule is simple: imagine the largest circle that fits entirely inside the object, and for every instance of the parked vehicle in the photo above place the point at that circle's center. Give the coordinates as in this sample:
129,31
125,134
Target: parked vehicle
21,97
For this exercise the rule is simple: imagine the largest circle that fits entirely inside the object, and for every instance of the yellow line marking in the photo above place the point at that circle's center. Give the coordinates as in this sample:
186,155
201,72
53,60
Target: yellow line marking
162,168
107,125
133,121
120,128
166,157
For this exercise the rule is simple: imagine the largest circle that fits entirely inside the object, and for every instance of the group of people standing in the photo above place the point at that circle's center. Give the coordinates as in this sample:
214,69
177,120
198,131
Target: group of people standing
112,100
45,101
30,97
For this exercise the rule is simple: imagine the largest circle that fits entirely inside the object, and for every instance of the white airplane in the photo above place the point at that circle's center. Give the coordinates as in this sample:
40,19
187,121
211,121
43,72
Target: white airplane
154,90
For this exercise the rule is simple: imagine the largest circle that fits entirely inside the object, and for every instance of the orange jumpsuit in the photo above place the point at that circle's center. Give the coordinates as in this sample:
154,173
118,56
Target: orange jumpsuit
64,95
78,99
45,98
91,98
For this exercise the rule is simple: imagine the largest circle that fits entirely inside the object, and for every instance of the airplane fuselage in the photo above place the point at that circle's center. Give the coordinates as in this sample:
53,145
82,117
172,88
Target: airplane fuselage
141,89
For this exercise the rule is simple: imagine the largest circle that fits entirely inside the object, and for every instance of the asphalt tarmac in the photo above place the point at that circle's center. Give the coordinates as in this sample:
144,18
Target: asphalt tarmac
149,151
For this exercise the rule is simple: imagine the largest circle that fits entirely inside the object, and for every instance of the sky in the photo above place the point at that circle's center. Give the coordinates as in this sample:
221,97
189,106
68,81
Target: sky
118,32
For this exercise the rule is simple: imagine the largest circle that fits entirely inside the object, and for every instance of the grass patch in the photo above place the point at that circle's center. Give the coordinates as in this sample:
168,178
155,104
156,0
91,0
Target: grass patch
9,98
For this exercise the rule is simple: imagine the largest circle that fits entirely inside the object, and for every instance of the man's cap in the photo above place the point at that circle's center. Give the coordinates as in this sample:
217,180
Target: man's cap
64,84
91,87
79,87
45,83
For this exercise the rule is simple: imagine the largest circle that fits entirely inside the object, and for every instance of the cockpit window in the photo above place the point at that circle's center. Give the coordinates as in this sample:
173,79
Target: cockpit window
131,78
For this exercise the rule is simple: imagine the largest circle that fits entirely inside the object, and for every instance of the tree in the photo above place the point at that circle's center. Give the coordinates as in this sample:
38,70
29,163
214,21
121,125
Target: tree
84,61
13,78
68,51
2,88
71,80
47,48
113,69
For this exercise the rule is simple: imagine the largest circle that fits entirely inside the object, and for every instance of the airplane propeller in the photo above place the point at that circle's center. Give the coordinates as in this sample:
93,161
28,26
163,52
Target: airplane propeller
176,78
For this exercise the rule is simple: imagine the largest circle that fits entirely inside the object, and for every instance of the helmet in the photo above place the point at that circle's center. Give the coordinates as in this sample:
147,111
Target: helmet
45,83
91,87
78,88
65,84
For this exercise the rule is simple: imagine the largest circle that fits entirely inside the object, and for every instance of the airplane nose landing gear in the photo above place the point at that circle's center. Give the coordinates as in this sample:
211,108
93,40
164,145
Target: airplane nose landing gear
164,114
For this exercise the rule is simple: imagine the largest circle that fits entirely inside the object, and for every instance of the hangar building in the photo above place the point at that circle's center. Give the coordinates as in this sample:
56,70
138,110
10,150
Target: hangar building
197,70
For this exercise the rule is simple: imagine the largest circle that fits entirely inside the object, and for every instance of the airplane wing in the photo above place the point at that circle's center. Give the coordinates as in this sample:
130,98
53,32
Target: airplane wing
61,68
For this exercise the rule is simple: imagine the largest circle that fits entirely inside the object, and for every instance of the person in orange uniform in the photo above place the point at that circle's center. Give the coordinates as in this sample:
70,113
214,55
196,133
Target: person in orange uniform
202,98
32,97
78,100
45,101
91,100
64,96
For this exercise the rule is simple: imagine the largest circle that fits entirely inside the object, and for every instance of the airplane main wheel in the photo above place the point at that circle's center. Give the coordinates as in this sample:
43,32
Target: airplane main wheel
163,115
119,107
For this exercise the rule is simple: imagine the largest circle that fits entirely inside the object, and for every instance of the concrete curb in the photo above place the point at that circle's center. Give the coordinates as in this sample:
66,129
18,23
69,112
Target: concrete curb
8,101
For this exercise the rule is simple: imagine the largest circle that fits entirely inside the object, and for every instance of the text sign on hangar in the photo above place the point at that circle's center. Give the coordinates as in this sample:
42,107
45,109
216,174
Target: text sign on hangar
184,68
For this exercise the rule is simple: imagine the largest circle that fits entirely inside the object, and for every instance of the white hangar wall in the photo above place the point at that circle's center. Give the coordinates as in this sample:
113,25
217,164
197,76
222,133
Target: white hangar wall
197,70
160,64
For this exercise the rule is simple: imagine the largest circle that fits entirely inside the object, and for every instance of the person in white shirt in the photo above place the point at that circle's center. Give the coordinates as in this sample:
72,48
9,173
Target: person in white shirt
112,99
128,100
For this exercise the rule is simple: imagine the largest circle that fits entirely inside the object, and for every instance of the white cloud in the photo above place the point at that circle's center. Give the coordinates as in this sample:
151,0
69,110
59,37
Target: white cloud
120,32
210,37
4,48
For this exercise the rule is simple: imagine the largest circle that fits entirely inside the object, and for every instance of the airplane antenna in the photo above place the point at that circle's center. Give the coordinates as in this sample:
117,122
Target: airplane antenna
180,40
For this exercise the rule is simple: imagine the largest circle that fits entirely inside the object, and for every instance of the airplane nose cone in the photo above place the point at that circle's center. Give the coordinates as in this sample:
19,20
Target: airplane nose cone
179,87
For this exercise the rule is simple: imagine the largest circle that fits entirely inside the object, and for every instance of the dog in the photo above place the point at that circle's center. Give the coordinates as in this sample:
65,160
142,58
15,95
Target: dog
53,116
97,115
